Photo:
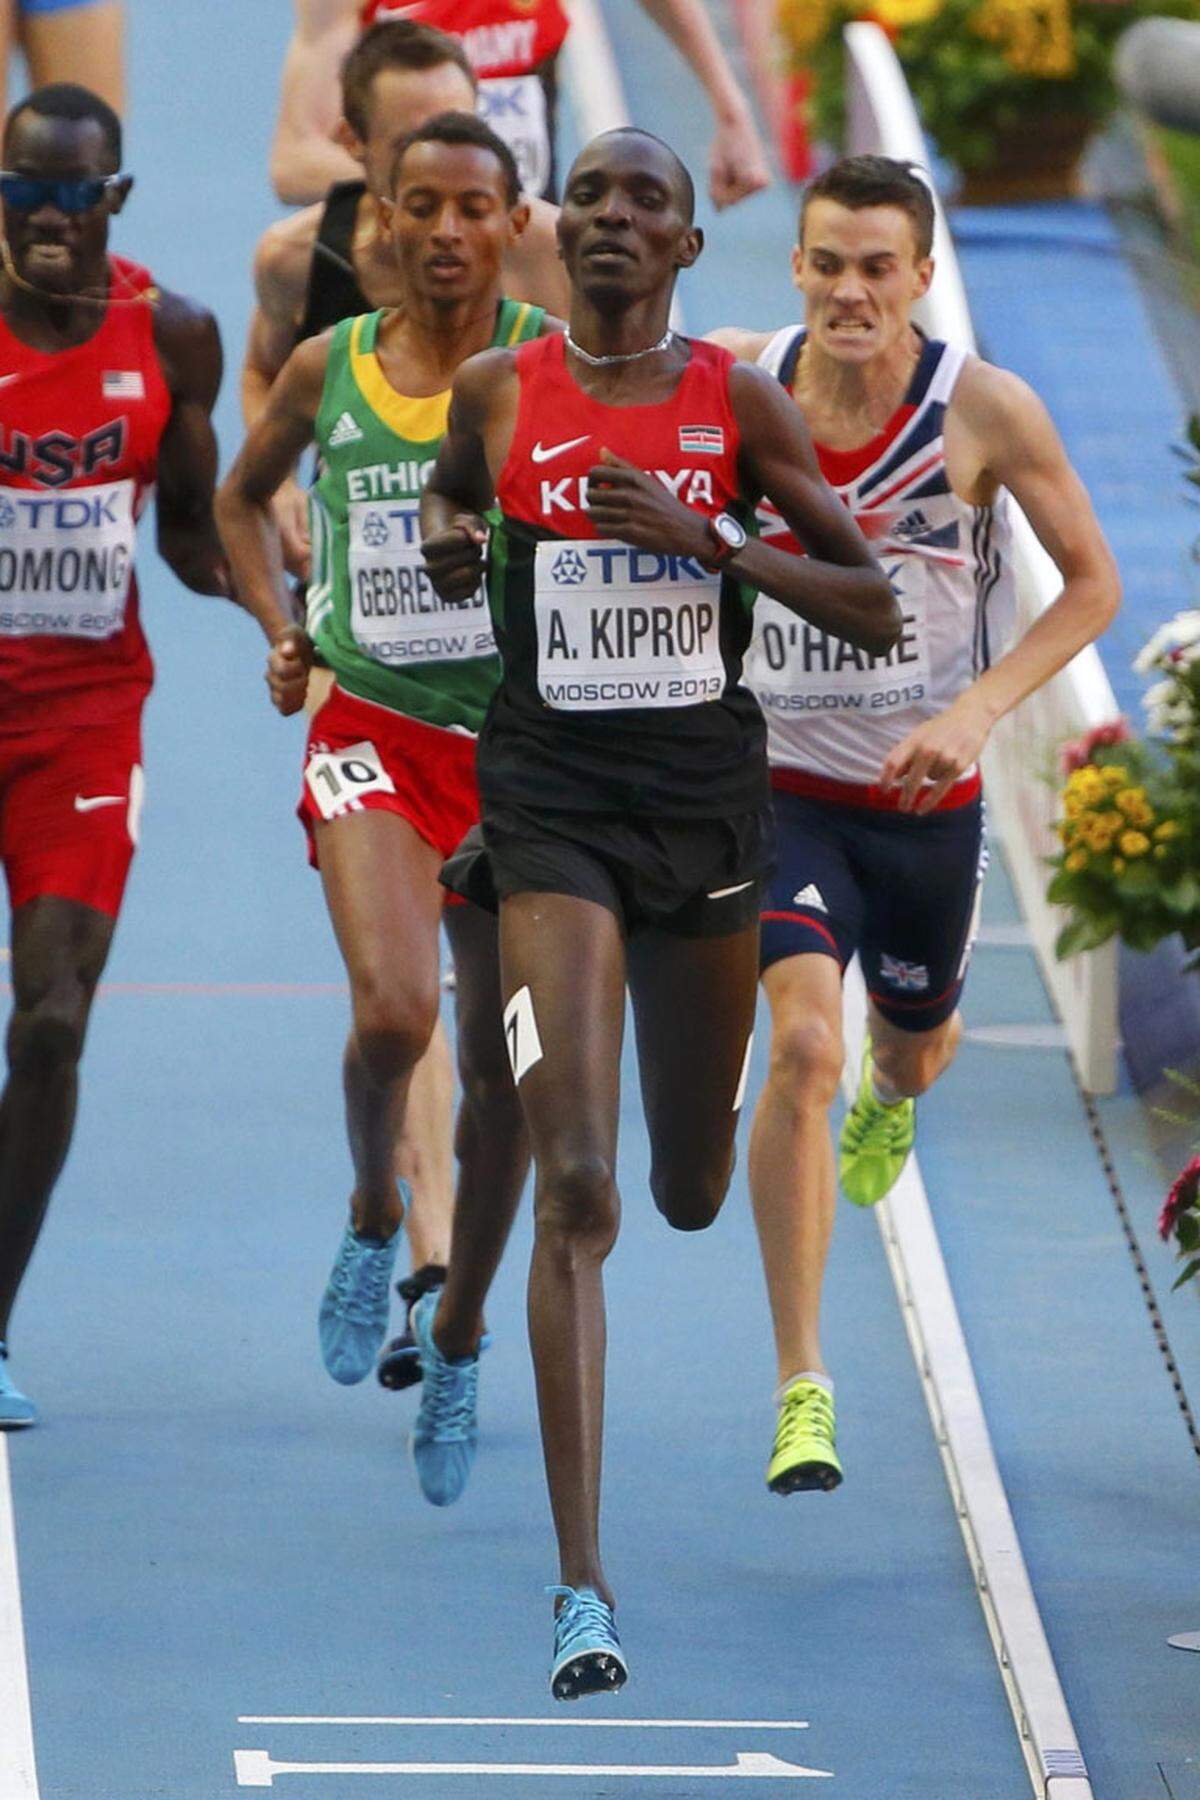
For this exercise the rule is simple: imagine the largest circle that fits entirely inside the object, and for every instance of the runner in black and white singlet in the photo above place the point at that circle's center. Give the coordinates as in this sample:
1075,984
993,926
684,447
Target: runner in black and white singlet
874,760
622,770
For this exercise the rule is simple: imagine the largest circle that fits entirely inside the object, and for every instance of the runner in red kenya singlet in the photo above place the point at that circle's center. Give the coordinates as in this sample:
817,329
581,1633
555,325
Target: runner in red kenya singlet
622,771
106,386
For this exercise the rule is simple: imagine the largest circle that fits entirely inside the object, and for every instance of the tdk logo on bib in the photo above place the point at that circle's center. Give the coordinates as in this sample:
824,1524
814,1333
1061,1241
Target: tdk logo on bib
569,568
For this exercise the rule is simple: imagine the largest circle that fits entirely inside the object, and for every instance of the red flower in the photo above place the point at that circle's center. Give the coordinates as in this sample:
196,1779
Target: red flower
1182,1197
1078,754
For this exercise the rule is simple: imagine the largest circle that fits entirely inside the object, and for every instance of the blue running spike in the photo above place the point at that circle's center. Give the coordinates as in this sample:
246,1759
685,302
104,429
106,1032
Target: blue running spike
354,1307
587,1651
15,1409
446,1431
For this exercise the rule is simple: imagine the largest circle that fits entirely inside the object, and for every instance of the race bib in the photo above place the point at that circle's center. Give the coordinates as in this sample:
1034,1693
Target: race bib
336,778
396,616
618,627
66,560
515,108
794,667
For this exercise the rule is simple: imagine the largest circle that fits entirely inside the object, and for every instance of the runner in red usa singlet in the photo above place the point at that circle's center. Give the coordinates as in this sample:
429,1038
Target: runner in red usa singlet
106,386
621,766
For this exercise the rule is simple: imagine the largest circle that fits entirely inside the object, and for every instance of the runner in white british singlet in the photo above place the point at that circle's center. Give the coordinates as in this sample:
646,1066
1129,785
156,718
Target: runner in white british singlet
875,760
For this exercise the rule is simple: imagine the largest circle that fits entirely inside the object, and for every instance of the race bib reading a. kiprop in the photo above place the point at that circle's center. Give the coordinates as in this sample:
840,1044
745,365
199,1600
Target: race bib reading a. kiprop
396,614
65,561
619,627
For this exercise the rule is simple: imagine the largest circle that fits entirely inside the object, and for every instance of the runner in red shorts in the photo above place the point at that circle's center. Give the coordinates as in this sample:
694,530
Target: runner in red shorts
389,779
108,384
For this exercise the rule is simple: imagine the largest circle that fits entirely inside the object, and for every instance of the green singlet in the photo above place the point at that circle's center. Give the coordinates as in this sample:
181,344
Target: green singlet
372,610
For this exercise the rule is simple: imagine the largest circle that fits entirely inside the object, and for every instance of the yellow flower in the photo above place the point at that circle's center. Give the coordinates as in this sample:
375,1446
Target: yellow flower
1134,843
1170,828
804,23
898,13
1129,799
1160,850
1097,838
1078,859
1115,776
1118,864
1072,804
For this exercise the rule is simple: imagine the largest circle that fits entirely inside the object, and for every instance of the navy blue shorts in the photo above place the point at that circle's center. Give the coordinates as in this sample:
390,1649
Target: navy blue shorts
901,889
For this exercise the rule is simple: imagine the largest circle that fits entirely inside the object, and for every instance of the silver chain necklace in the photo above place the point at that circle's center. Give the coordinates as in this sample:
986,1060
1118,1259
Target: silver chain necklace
624,356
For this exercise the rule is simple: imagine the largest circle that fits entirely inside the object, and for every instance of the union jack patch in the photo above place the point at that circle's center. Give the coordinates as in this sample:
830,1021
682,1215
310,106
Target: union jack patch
123,384
702,440
910,978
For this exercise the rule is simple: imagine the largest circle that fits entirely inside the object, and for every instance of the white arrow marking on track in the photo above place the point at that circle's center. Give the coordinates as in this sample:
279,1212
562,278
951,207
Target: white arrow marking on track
256,1769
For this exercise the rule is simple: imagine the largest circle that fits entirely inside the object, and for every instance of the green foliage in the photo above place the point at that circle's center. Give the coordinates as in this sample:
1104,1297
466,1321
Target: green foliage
971,93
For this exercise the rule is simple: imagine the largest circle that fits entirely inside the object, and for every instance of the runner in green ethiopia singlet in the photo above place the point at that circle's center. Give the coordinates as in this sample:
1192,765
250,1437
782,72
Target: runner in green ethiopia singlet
372,610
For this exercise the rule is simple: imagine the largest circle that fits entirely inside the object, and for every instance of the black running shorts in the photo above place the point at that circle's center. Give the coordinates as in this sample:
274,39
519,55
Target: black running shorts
694,878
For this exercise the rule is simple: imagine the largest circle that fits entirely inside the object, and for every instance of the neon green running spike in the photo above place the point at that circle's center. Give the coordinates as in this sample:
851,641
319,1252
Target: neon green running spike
805,1454
875,1142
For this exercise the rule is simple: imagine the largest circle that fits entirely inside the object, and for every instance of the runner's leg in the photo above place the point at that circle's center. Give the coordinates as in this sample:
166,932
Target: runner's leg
568,957
491,1140
83,43
380,880
424,1156
793,1179
693,1007
59,948
909,1062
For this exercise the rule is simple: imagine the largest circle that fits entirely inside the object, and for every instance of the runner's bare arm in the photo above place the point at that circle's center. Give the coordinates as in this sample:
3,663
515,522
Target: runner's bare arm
189,349
248,528
306,158
737,163
747,346
533,269
1004,431
281,269
462,482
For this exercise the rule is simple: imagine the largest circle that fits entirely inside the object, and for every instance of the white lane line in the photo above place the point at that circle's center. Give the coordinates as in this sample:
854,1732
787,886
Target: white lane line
1018,1037
572,1724
255,1768
1048,1743
18,1769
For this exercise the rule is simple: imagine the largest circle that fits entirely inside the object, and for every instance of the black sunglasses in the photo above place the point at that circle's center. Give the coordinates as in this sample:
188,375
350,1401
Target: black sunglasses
29,193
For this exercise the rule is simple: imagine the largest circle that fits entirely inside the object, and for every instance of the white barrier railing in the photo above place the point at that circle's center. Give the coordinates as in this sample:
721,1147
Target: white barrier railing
1023,753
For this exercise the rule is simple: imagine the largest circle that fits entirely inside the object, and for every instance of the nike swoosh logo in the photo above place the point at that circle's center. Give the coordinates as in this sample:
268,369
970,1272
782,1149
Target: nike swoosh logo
724,893
91,802
541,455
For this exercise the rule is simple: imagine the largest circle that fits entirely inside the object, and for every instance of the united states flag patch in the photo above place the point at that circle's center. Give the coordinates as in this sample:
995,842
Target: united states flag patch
701,440
123,384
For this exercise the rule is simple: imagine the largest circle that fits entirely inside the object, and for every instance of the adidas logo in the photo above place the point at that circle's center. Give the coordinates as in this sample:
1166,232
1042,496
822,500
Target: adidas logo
345,432
810,896
911,526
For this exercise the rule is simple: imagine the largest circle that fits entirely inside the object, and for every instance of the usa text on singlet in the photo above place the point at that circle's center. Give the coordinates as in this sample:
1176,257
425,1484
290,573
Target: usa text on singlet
833,711
79,437
621,688
372,610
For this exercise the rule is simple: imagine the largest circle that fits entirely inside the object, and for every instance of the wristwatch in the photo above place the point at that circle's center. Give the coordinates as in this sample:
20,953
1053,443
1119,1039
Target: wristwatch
728,537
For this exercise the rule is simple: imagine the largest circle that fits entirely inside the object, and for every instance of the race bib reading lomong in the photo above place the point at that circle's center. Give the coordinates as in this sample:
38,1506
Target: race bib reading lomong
66,560
619,627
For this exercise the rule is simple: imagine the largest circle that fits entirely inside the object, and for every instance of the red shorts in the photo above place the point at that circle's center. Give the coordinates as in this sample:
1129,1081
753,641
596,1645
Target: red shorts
364,757
70,802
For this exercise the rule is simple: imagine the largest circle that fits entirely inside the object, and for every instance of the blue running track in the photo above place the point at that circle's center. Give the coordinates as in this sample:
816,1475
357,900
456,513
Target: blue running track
229,1579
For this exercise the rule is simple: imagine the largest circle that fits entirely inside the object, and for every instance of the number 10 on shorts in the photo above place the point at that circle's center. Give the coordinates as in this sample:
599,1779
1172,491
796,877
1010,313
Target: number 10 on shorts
337,778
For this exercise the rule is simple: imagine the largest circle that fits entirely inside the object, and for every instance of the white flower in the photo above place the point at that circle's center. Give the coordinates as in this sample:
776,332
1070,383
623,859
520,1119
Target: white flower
1179,633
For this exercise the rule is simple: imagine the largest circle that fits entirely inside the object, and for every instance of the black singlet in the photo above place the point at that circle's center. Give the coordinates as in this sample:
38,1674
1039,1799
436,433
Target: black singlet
333,290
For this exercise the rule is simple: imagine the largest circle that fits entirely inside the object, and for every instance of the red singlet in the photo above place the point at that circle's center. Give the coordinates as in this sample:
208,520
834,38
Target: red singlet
501,37
79,437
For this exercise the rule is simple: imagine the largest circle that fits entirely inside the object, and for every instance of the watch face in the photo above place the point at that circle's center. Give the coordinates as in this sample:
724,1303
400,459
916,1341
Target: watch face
729,529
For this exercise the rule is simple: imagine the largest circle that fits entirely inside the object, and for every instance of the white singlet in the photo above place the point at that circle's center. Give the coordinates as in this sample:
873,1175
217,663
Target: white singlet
834,711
